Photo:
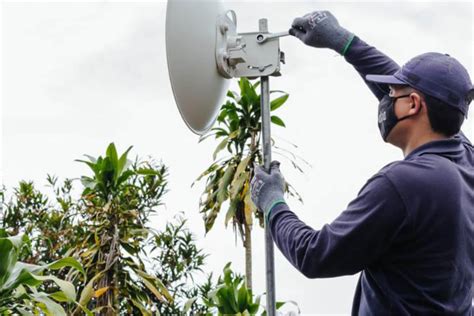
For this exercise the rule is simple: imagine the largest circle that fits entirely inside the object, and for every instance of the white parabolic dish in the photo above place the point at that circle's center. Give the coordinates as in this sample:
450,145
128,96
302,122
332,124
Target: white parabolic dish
198,88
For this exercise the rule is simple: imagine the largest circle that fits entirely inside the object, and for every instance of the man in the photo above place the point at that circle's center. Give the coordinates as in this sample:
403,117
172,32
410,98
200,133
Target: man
410,230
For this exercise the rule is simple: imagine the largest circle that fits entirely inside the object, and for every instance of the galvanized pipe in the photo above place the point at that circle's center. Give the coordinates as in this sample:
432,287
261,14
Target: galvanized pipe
267,158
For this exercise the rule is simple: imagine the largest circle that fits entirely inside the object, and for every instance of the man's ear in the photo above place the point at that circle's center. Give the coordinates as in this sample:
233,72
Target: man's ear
416,103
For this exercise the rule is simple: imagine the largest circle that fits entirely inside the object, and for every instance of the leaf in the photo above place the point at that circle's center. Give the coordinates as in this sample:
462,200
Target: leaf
99,292
148,172
51,308
128,248
227,275
66,287
87,253
237,184
211,168
22,273
67,262
90,164
227,265
92,159
278,102
88,182
219,147
205,136
153,289
280,304
234,95
16,241
242,165
211,217
188,304
234,134
239,177
253,309
227,302
231,211
164,290
242,297
146,277
59,296
248,90
142,308
292,192
224,183
88,291
111,153
278,121
8,259
249,207
123,160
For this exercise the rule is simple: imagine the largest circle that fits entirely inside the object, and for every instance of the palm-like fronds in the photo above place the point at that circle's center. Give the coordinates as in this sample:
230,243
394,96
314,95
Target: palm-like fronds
228,179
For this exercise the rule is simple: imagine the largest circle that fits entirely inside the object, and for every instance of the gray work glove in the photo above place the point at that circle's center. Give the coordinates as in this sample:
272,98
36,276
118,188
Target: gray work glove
267,189
321,29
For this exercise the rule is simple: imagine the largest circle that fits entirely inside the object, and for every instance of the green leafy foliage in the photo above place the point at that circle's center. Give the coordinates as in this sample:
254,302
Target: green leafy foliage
228,179
110,173
232,297
117,201
130,268
19,282
176,259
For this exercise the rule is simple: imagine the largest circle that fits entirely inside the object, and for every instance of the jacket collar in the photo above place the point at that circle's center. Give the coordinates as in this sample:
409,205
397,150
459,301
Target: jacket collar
449,148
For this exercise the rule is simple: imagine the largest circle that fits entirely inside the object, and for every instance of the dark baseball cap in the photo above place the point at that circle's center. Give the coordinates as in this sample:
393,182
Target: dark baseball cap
437,75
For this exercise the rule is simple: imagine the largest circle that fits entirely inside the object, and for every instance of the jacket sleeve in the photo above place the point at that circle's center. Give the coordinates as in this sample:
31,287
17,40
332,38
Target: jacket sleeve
358,237
367,60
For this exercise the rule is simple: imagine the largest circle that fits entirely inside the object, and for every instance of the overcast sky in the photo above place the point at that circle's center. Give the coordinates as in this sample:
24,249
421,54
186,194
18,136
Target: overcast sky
77,76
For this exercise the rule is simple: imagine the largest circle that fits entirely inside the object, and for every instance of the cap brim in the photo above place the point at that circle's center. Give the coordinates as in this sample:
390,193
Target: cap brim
384,79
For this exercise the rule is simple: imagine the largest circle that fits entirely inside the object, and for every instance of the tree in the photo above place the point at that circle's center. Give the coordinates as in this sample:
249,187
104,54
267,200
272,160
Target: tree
176,260
228,179
130,267
118,201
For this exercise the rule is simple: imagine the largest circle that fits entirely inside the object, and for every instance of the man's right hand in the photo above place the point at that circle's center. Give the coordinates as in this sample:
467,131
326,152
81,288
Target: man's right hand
321,29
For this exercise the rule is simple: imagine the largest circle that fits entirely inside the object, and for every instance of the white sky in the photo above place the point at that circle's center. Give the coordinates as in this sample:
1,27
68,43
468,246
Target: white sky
76,76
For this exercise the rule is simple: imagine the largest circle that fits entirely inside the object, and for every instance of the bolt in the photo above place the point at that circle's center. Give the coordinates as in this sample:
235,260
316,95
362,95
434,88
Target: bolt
224,28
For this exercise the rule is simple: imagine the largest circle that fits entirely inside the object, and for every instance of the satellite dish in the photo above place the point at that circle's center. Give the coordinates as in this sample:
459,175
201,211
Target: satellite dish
198,87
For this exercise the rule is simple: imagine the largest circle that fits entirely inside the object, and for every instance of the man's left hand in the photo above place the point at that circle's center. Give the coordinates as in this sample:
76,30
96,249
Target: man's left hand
267,189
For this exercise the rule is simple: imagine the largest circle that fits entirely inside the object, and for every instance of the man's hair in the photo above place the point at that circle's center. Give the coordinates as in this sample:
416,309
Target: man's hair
444,118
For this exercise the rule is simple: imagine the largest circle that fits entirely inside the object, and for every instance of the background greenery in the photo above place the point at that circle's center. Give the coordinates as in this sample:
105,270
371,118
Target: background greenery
102,256
127,266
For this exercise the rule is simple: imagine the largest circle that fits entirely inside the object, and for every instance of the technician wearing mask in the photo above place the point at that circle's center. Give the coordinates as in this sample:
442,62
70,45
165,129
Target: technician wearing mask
410,230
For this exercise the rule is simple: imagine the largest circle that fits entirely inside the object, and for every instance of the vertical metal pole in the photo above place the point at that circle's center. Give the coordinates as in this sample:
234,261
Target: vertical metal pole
267,158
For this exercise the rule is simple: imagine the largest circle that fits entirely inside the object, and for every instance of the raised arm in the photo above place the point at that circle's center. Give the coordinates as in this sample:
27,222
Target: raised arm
321,29
366,60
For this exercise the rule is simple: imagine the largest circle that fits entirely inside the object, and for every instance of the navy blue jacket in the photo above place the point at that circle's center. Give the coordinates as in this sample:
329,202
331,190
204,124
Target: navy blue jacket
410,230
